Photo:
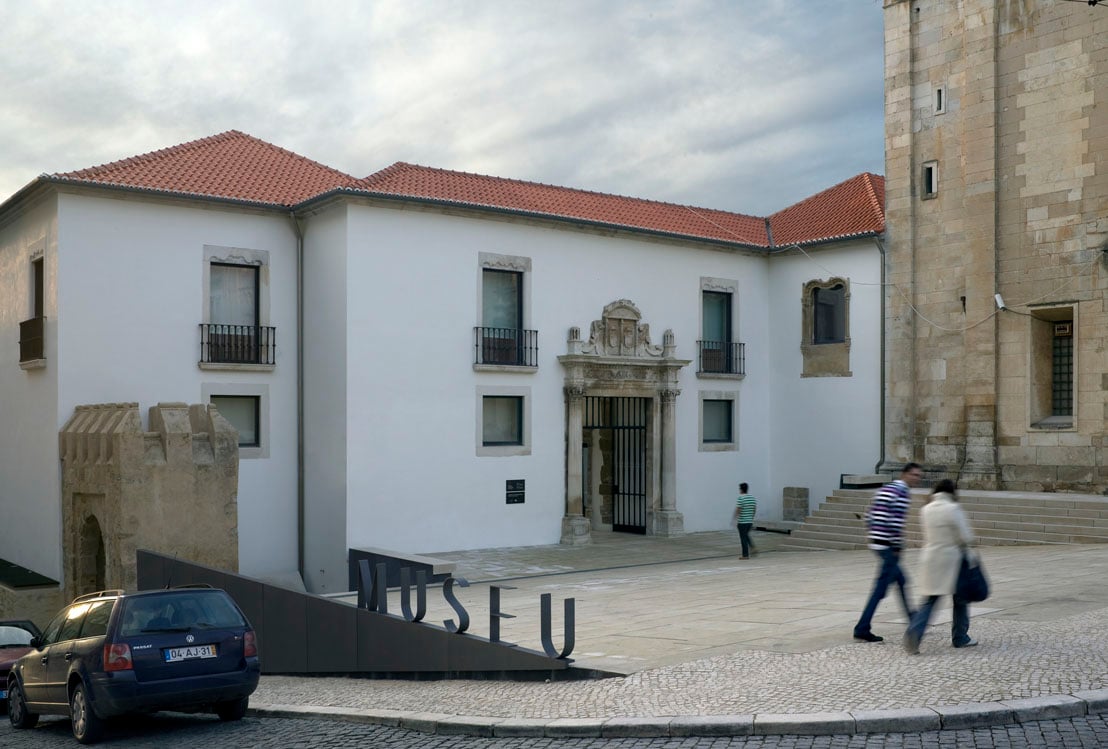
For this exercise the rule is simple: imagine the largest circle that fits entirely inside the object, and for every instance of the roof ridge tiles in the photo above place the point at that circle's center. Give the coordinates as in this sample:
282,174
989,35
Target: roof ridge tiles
195,145
400,166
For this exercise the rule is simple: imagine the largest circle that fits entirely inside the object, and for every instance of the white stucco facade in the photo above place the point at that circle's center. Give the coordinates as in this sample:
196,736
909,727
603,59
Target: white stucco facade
124,303
822,427
392,399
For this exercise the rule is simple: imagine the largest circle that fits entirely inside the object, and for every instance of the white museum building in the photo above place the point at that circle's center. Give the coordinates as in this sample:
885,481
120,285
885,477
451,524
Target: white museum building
426,360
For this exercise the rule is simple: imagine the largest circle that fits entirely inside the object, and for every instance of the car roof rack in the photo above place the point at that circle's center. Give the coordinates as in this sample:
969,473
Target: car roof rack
97,594
193,585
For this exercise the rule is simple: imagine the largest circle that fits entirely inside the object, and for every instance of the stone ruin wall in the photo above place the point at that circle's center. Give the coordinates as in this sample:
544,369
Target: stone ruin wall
172,489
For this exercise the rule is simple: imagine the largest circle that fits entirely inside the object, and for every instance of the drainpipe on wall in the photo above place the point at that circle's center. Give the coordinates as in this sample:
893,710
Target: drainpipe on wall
299,394
881,248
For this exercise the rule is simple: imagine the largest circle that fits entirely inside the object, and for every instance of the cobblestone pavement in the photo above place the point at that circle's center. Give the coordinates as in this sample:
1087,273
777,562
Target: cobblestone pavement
172,731
709,634
695,634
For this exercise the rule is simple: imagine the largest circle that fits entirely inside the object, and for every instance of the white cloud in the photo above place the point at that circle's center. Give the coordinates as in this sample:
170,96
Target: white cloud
737,105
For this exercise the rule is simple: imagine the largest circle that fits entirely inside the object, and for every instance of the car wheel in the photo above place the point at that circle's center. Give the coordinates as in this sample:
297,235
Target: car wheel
87,727
17,708
233,710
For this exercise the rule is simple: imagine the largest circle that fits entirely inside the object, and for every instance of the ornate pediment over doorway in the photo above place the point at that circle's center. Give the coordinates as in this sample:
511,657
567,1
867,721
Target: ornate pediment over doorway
620,332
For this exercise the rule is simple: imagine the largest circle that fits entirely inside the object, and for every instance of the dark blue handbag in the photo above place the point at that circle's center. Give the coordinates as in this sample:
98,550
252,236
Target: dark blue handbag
972,585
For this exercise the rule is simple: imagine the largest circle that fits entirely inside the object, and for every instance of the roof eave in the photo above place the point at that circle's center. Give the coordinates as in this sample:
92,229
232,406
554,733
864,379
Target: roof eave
826,240
393,197
180,194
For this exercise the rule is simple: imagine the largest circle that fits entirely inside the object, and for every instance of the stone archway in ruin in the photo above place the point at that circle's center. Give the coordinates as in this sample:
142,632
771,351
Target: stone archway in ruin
91,559
619,361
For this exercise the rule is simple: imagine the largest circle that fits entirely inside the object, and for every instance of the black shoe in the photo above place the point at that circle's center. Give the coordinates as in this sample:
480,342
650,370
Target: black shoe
868,637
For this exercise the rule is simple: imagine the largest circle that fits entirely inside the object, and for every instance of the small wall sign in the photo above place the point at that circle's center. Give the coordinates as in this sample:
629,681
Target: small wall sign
513,491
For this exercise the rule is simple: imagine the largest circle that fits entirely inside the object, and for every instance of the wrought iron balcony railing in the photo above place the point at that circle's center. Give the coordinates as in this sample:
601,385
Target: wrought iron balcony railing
31,339
722,357
510,346
237,344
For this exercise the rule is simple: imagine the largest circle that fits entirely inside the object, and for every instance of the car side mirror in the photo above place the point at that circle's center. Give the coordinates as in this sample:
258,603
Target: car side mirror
36,642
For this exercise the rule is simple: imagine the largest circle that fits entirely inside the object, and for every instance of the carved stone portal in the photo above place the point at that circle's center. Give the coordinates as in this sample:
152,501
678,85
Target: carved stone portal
619,360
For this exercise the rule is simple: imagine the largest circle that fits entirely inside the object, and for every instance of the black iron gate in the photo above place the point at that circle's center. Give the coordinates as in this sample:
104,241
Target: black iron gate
626,418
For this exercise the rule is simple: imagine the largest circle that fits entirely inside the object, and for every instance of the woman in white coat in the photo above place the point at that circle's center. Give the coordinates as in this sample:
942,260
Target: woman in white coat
946,533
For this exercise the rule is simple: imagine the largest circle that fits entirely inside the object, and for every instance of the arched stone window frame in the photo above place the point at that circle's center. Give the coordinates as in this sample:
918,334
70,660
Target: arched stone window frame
824,359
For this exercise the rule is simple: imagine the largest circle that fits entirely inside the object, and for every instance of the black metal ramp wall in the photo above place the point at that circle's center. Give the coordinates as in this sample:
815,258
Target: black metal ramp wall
302,633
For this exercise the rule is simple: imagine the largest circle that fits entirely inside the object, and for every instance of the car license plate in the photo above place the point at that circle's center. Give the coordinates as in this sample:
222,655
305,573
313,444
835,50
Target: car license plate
173,655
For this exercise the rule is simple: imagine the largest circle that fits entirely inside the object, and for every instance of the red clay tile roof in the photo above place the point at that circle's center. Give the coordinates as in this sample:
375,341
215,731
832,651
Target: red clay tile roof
851,208
236,166
463,188
229,165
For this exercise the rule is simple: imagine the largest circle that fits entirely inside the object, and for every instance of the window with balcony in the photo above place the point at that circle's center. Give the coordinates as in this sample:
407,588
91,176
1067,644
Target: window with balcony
32,350
235,333
502,339
718,353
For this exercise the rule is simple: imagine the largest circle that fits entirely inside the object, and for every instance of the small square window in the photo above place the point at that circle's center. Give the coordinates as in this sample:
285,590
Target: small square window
502,420
718,421
940,100
243,413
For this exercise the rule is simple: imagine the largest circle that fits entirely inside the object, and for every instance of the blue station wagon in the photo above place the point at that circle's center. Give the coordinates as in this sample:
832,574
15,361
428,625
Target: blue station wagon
188,649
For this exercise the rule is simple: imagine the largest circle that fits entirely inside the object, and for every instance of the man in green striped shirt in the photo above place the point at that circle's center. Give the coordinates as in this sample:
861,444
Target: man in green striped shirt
745,506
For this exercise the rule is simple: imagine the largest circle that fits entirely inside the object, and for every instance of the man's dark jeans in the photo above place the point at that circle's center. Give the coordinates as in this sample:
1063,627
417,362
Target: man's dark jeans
888,572
744,539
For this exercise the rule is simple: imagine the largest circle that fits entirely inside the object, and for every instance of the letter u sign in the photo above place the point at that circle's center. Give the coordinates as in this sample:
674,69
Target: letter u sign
567,627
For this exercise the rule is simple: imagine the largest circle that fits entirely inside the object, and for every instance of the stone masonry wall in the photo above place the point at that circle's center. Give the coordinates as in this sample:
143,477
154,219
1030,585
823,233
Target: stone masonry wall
1020,210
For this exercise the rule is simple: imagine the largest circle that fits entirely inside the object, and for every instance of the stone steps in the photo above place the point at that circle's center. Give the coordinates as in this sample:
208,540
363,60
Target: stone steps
998,519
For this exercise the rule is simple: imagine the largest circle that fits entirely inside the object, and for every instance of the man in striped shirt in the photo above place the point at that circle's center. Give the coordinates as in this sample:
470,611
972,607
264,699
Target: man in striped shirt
745,506
885,519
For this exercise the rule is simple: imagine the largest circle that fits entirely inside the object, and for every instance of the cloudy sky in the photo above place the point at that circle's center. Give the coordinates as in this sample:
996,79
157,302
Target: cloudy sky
743,105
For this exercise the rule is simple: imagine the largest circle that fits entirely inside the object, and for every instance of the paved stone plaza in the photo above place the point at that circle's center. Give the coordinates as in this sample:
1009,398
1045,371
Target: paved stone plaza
704,642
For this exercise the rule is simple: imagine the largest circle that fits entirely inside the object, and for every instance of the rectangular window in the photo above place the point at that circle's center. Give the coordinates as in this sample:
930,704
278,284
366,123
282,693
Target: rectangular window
502,299
829,314
717,423
716,352
1062,370
716,316
930,179
243,411
940,100
502,420
1054,352
37,288
32,336
234,294
501,339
